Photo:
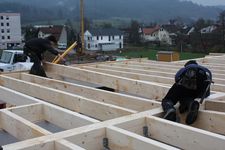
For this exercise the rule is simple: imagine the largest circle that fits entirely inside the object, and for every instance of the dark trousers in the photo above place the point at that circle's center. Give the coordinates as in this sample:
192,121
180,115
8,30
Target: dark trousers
178,93
37,68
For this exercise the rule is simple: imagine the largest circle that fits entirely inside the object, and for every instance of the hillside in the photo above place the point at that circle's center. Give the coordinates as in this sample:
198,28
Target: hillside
143,10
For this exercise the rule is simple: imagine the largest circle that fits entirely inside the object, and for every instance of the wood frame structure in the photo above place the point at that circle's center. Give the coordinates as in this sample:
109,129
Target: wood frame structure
90,118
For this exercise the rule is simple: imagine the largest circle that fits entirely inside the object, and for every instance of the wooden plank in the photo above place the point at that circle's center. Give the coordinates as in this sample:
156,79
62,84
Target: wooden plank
124,140
157,71
216,69
32,113
141,88
184,136
89,140
73,102
16,99
211,121
39,146
215,105
136,76
19,127
158,79
65,119
122,100
66,145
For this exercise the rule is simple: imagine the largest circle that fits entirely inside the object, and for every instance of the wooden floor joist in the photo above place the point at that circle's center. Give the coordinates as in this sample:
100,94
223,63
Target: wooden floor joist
68,112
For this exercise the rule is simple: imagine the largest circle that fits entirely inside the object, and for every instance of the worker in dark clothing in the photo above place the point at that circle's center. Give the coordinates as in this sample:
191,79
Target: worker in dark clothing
35,48
191,82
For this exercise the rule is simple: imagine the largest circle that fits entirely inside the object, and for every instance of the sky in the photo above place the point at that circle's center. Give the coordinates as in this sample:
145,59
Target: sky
209,2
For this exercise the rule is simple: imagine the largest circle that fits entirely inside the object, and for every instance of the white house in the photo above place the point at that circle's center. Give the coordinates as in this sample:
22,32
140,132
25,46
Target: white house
58,31
10,30
103,39
156,33
208,29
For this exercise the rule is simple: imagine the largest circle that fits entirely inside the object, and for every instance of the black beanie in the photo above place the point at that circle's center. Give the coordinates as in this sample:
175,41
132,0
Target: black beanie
190,62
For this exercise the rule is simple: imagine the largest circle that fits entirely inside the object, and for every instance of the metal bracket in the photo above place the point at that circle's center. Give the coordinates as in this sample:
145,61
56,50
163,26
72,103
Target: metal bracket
145,132
106,144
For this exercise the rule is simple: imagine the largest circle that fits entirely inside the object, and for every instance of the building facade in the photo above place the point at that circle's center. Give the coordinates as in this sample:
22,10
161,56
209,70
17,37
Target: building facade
103,39
10,30
156,34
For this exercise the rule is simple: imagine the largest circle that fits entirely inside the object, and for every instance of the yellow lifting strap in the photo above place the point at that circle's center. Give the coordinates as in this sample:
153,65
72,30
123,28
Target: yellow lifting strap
57,59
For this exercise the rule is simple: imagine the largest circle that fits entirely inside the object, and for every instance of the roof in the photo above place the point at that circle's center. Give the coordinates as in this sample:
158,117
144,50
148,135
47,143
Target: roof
108,31
148,31
53,30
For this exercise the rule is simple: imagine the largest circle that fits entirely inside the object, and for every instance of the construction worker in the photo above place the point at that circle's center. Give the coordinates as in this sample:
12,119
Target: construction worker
191,82
35,48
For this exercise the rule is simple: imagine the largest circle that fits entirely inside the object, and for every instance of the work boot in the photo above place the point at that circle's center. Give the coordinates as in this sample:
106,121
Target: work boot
183,108
171,115
192,113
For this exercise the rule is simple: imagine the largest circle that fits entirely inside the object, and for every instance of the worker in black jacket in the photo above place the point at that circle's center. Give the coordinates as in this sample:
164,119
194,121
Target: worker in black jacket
191,82
35,48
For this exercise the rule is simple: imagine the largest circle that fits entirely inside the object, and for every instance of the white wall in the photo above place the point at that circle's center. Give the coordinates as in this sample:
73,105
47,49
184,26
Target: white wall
102,42
14,28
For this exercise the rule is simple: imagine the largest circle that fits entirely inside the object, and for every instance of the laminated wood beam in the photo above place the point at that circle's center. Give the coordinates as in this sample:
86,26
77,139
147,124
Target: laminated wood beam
164,68
60,117
19,127
39,146
211,121
183,136
148,72
149,78
66,145
124,140
167,78
176,134
122,100
145,89
15,99
73,102
215,105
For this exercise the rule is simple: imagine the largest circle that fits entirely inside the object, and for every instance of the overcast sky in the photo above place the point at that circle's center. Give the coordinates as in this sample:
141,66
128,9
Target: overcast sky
209,2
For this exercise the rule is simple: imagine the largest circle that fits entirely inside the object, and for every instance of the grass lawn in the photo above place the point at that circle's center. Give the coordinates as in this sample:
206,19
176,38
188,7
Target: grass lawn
151,54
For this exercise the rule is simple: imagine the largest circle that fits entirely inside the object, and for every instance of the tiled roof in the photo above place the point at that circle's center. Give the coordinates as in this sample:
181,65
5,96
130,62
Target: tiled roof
53,30
148,31
110,31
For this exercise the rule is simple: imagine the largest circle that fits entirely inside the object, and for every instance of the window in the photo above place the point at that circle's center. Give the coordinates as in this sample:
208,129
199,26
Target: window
8,37
3,37
8,30
96,45
7,17
97,37
2,24
89,46
2,17
2,30
113,37
101,37
88,38
7,24
120,37
109,38
19,58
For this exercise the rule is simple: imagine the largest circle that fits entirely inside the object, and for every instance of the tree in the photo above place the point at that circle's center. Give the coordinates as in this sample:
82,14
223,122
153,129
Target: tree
134,36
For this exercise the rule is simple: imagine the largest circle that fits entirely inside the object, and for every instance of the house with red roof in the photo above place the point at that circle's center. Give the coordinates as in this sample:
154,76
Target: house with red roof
156,34
58,31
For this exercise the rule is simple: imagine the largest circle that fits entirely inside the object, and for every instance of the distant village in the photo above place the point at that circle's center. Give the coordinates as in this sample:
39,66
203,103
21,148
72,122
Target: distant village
203,36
